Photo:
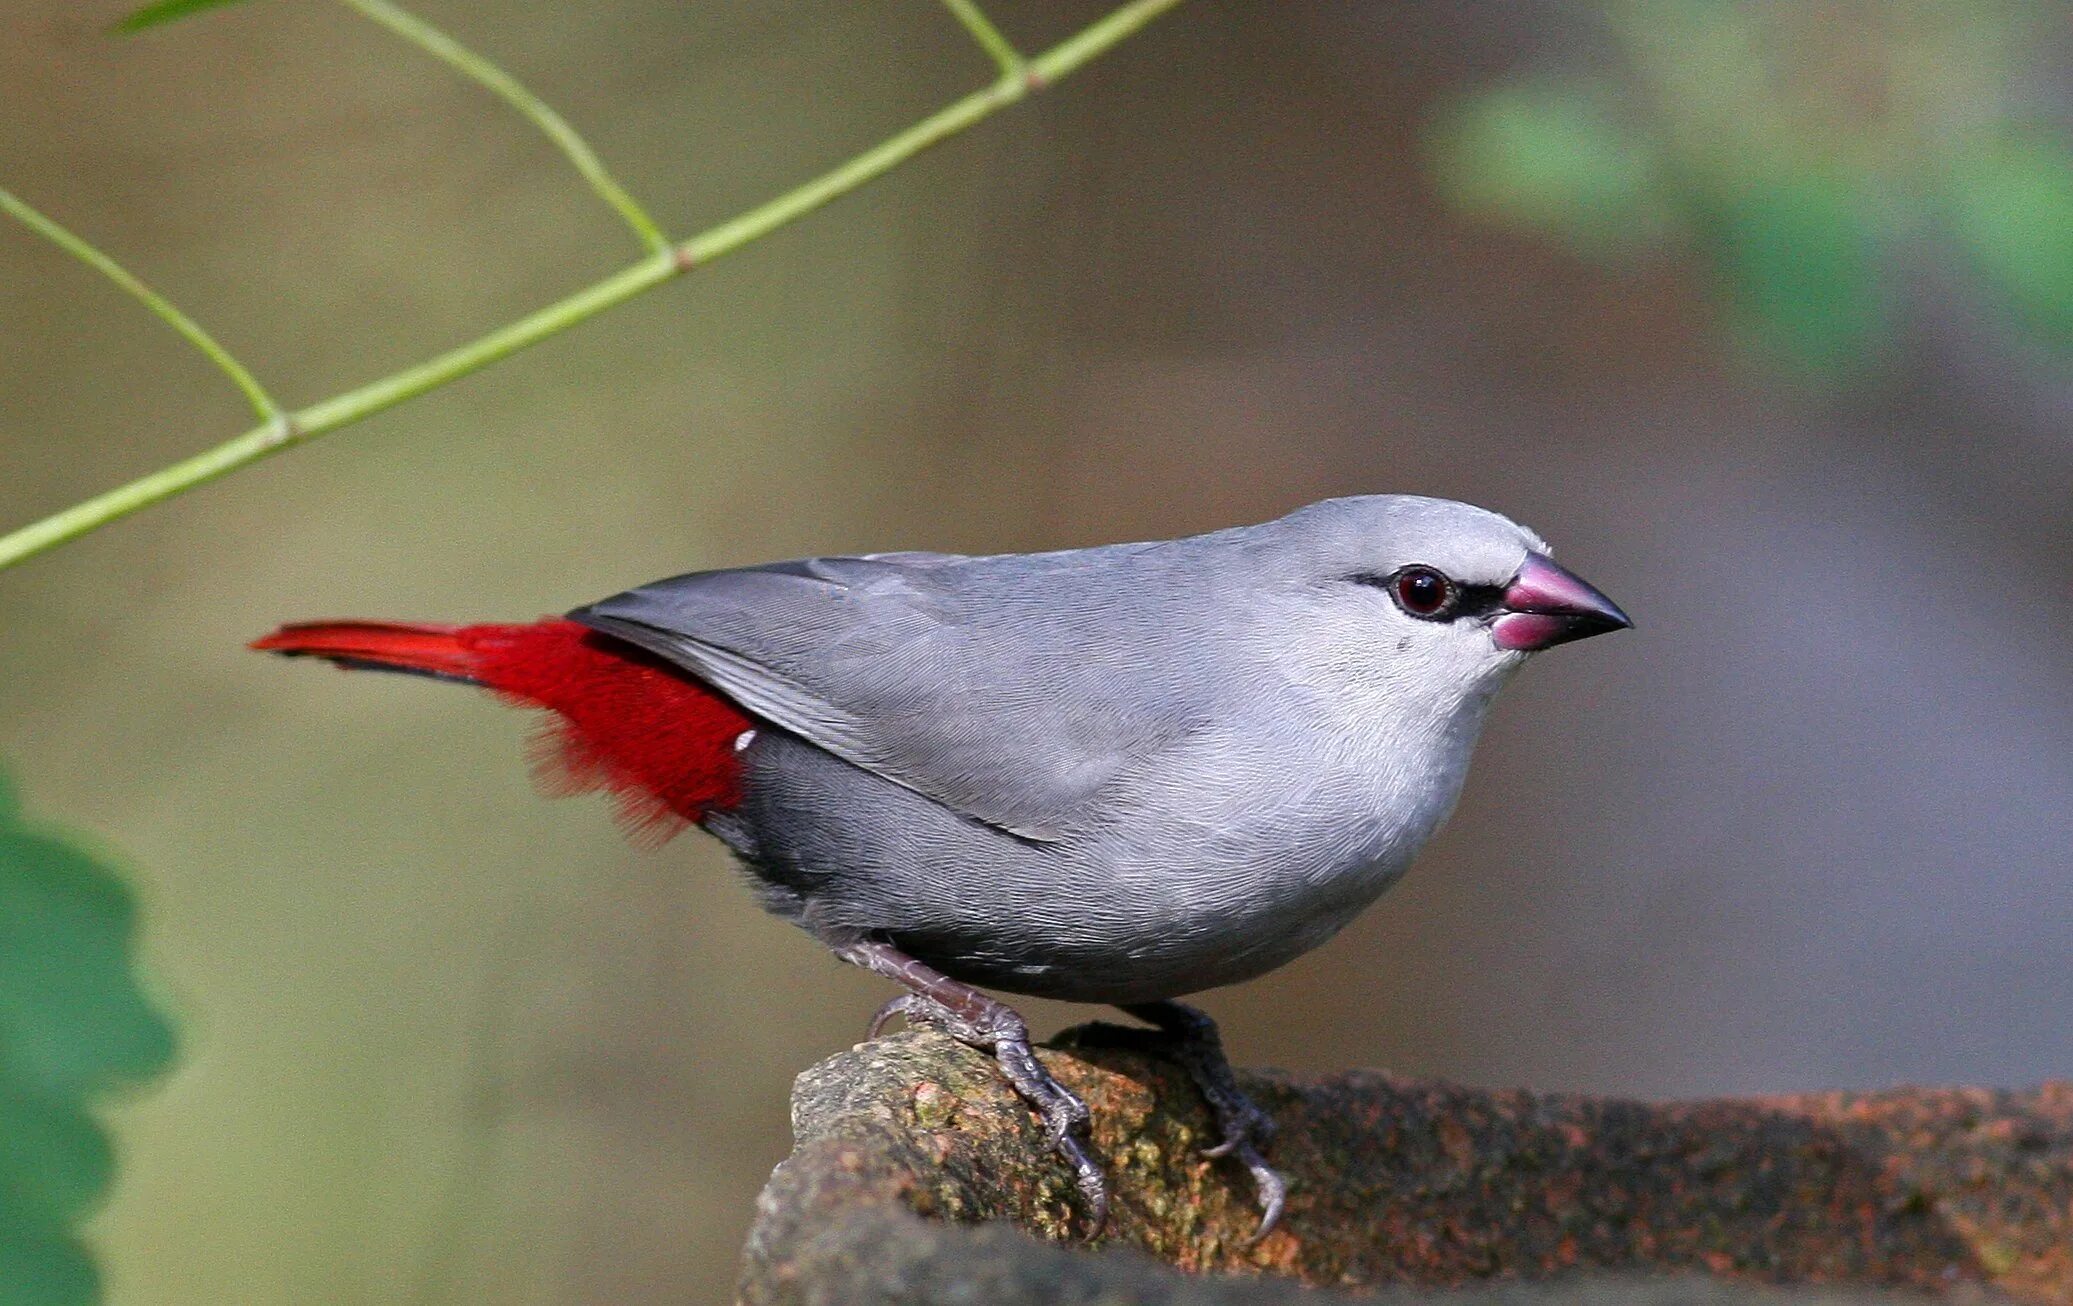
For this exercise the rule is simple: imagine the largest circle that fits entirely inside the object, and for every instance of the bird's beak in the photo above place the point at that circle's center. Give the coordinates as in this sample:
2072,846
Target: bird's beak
1546,605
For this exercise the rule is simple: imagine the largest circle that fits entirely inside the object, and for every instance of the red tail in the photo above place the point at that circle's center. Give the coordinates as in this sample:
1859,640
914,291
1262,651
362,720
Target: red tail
416,647
628,722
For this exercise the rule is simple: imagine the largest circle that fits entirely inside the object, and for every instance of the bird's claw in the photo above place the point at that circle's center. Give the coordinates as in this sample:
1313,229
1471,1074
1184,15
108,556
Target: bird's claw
1267,1185
1087,1176
1242,1122
906,1004
1244,1127
1066,1119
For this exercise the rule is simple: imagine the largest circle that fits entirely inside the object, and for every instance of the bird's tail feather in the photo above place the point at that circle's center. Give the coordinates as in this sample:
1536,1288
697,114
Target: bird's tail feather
663,742
413,648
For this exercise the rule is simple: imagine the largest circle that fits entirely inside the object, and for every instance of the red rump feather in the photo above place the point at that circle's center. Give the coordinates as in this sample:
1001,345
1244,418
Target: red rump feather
626,721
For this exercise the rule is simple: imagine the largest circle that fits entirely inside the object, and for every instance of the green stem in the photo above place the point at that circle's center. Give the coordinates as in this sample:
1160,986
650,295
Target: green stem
1096,39
342,410
988,36
262,402
472,65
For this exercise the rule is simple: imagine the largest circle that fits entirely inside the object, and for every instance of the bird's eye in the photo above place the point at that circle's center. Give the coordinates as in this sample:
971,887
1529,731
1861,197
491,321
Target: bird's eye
1422,592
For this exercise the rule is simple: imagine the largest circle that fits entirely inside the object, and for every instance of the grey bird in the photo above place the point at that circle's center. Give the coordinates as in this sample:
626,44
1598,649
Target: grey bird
1119,775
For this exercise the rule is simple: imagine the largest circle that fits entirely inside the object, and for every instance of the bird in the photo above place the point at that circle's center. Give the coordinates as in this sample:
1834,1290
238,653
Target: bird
1120,775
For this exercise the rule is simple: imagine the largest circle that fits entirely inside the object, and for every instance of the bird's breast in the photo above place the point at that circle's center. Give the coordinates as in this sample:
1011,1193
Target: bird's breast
1232,866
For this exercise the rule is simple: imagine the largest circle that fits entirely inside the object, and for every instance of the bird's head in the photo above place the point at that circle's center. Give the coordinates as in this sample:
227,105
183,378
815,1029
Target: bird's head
1429,594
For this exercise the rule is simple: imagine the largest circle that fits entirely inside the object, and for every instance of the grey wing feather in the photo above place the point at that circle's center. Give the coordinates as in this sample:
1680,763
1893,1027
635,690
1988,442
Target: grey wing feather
971,681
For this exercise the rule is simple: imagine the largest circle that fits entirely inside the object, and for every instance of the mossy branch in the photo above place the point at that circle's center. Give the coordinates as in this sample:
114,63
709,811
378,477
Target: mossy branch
917,1174
283,430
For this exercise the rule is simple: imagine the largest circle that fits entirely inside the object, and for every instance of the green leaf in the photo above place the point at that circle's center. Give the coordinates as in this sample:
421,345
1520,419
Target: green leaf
43,1266
1548,156
74,1022
2012,209
73,1018
166,11
55,1162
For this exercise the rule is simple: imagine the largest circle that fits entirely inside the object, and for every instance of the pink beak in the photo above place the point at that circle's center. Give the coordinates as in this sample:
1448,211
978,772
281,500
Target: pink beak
1546,605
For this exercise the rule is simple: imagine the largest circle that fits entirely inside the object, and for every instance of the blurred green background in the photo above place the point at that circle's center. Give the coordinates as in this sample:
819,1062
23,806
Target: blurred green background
1760,312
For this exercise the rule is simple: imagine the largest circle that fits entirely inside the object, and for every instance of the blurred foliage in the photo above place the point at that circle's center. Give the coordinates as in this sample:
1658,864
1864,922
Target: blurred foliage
1809,153
165,11
74,1025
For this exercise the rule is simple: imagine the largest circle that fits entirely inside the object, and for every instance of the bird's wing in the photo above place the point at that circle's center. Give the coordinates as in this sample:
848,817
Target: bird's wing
1002,692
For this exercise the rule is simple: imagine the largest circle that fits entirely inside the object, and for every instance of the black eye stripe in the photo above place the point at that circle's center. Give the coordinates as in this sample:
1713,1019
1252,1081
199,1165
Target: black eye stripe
1461,601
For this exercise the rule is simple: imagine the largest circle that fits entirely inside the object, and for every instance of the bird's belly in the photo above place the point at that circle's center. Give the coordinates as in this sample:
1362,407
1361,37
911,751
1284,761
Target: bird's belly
1153,909
1122,933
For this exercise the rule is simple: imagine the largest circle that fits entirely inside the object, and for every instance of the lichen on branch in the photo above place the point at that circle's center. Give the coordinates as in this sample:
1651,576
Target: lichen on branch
916,1171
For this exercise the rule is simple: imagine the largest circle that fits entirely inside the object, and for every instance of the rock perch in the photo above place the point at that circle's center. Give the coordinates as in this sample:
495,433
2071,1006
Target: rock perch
919,1178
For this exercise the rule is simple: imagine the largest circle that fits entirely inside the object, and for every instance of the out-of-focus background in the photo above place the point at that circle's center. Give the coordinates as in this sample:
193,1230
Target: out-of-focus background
1762,313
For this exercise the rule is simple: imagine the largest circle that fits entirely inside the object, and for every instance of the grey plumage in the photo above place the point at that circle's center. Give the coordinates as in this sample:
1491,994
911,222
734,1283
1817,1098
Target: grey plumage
1114,774
1119,774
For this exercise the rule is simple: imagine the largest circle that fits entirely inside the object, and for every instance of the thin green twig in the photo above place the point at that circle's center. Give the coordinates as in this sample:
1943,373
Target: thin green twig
988,36
508,88
342,410
262,402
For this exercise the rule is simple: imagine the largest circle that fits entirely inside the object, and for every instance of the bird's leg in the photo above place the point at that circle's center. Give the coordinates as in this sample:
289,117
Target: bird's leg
972,1018
1246,1129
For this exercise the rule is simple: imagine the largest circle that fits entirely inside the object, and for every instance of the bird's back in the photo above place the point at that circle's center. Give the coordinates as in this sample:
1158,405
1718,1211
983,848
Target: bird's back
1210,811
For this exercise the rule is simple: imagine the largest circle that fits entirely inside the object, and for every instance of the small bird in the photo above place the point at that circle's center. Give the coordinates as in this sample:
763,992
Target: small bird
1118,775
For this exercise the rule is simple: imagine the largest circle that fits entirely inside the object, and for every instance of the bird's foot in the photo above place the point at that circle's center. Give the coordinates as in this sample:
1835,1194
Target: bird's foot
972,1018
914,1008
1244,1126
